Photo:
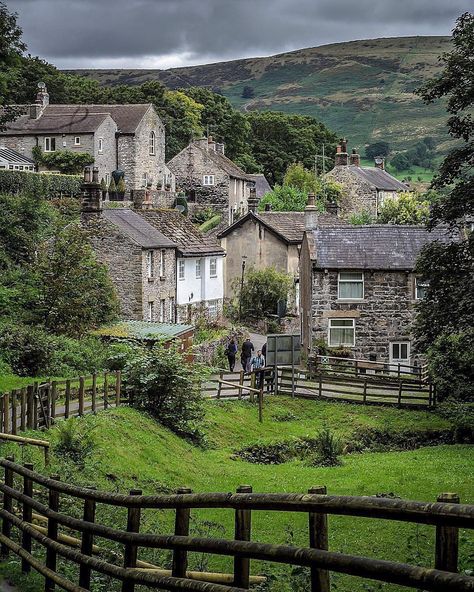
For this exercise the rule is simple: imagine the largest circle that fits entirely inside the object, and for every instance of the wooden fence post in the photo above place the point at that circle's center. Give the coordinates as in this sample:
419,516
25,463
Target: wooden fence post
94,392
2,411
27,517
252,386
35,405
447,539
13,403
219,386
106,390
181,528
54,389
87,542
67,402
51,555
320,383
364,396
260,400
131,550
7,506
400,387
243,526
6,413
118,388
241,383
30,401
318,539
81,396
23,409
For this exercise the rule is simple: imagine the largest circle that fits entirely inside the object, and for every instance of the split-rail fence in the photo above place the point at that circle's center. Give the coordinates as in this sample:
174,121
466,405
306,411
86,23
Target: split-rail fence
41,548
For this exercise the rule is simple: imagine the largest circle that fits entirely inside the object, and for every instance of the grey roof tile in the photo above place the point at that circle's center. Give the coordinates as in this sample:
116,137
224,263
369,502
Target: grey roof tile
14,157
139,230
381,179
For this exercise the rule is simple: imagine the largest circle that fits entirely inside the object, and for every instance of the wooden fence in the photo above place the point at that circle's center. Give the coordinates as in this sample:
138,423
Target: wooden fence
25,492
38,405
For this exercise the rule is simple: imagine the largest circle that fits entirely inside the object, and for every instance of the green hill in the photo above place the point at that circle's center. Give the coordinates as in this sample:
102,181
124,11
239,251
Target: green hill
362,89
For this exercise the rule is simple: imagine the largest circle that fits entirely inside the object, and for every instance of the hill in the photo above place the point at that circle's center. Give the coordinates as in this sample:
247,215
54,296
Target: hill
362,89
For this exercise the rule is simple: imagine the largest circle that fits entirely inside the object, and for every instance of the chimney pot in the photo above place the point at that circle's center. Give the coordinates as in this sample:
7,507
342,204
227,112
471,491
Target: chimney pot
344,145
311,213
380,162
355,158
252,201
87,174
332,208
268,207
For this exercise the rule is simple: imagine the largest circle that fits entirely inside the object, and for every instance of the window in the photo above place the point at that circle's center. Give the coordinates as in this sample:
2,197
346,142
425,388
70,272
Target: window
420,288
400,351
341,332
77,141
181,269
350,285
208,180
213,267
172,309
213,307
162,264
144,180
151,311
151,144
149,264
49,144
101,145
198,268
162,311
107,179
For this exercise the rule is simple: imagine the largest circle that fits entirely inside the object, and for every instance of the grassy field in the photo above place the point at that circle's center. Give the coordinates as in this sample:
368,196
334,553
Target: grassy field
132,450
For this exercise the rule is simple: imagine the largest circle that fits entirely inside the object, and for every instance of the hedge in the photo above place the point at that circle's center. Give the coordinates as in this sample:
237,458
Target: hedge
46,185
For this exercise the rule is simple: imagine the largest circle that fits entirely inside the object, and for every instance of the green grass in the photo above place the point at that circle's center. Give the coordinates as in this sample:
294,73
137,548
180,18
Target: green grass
132,450
12,381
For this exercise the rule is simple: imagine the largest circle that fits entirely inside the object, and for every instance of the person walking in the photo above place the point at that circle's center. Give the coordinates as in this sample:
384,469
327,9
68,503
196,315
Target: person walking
257,364
230,352
246,354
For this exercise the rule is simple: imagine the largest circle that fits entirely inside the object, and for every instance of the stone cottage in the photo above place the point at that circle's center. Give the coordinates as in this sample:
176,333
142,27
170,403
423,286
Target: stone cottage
363,188
358,287
126,137
211,180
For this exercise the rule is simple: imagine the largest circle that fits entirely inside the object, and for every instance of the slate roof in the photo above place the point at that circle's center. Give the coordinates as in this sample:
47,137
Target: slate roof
289,226
78,119
137,229
381,179
262,186
376,246
178,228
13,157
225,164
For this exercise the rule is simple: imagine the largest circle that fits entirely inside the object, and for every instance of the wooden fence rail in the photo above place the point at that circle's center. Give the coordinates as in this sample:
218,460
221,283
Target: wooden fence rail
39,405
446,514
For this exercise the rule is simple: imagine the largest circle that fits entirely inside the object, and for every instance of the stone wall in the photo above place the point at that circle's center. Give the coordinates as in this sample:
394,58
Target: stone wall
107,161
357,195
158,288
385,314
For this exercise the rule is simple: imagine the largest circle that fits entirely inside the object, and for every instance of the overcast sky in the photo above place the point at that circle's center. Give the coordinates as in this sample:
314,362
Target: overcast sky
169,33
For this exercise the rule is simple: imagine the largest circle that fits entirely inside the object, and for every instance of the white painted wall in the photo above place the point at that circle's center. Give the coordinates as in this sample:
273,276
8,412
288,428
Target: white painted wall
193,290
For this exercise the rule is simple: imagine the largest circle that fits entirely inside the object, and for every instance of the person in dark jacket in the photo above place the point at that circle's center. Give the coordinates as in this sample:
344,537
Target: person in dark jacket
230,352
246,354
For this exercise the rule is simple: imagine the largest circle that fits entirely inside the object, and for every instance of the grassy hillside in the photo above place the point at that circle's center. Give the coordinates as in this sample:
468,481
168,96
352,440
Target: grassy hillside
158,461
362,89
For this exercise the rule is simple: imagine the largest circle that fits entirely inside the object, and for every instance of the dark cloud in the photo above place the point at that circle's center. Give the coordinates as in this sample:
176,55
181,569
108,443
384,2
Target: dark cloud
164,33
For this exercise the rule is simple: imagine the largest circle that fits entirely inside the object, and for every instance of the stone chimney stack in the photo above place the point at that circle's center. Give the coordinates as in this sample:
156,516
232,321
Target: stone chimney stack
380,162
220,147
341,153
91,193
211,144
252,201
42,101
311,213
332,208
355,158
268,207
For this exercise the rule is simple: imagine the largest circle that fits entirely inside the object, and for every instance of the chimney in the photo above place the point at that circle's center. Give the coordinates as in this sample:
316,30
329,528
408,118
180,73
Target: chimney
380,162
268,207
311,213
355,158
332,208
252,201
211,143
220,147
91,192
341,153
42,101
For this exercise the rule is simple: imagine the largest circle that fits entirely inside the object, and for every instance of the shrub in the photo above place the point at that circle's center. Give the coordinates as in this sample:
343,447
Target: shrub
461,415
44,185
361,218
74,440
161,382
27,350
327,449
262,291
211,223
65,161
408,208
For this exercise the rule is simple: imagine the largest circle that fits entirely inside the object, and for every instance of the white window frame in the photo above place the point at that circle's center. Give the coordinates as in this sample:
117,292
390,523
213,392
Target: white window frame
350,281
100,147
151,311
162,310
198,269
77,140
400,360
208,180
213,267
107,179
181,269
150,260
152,144
420,284
335,327
162,263
172,309
49,141
145,180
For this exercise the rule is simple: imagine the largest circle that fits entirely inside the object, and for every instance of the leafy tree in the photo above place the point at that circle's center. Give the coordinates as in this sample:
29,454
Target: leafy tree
400,161
165,385
446,315
300,178
285,198
262,290
361,218
377,149
248,92
408,208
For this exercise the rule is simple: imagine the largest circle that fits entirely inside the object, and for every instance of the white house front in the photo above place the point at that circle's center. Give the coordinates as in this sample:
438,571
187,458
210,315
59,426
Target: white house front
200,281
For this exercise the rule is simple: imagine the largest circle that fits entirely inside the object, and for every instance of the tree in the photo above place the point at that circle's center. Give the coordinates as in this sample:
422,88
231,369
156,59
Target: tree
400,161
377,149
262,290
446,314
285,198
407,208
300,178
248,92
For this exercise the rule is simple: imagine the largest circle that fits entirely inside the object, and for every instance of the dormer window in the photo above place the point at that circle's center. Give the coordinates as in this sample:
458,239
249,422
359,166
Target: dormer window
152,142
208,180
49,144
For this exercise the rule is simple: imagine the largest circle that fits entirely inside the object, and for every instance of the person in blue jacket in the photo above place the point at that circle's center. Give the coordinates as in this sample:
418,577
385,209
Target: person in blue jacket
230,352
